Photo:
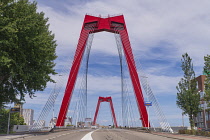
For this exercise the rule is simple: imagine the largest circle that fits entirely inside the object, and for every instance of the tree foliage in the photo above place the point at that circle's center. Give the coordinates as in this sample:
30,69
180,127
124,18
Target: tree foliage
187,96
206,70
15,119
27,50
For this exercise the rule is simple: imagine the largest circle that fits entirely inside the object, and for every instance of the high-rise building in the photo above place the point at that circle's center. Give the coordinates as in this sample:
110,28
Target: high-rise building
28,115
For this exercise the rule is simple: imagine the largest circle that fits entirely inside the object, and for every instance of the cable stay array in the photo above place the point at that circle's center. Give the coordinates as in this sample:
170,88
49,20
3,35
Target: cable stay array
39,124
81,104
126,107
128,117
156,106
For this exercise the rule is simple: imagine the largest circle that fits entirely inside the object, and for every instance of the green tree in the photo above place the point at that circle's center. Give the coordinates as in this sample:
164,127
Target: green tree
187,96
206,70
27,50
15,119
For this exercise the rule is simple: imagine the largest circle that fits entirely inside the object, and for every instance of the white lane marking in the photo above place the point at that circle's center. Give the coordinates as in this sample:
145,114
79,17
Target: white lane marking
88,136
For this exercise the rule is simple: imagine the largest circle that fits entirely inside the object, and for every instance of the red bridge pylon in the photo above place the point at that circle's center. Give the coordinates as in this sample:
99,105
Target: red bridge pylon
105,99
113,25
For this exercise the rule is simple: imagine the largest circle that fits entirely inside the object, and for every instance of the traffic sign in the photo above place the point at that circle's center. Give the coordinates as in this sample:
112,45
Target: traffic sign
12,110
148,103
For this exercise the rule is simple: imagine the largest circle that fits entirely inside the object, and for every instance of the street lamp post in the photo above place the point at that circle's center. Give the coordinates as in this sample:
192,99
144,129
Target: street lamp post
147,98
54,102
204,108
8,124
54,94
183,119
204,111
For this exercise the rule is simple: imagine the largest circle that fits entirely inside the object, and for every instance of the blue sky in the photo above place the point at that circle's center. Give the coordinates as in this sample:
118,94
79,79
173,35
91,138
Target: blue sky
160,32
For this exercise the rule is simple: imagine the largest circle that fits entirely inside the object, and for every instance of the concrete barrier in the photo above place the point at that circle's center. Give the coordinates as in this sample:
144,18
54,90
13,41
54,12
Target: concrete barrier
21,128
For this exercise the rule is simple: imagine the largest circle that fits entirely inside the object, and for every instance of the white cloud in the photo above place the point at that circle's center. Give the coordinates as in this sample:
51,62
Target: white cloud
163,84
183,25
40,99
109,84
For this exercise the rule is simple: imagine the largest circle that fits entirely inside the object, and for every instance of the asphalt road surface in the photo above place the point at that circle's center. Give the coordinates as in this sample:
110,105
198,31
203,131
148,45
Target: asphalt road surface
63,135
101,134
121,134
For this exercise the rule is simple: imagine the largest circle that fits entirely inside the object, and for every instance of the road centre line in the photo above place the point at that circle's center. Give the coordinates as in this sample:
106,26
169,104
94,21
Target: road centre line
88,136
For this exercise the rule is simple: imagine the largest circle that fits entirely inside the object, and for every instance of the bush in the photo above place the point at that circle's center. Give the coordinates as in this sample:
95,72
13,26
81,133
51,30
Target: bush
195,132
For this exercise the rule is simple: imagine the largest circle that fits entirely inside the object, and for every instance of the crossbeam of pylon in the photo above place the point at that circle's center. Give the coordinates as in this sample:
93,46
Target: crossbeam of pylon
109,100
94,24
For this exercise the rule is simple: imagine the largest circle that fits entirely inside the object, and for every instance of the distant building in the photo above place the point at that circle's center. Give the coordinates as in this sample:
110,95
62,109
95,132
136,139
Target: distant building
68,121
88,124
28,115
80,124
53,122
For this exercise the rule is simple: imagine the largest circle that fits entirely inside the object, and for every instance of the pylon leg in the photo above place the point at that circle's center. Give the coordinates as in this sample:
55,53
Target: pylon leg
105,99
134,77
96,113
72,77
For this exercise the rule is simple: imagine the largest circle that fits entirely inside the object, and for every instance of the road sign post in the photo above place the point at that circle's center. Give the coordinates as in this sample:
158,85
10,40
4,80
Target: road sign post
148,104
11,110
